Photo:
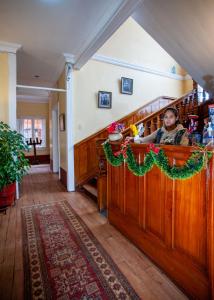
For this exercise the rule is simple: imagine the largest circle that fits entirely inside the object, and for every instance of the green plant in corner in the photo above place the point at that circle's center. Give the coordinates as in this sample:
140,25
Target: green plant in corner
13,164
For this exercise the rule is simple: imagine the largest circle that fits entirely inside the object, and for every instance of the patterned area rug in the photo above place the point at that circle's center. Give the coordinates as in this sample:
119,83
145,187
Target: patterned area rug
63,260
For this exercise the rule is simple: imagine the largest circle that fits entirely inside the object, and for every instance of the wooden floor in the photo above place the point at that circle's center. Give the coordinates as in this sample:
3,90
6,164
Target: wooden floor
40,186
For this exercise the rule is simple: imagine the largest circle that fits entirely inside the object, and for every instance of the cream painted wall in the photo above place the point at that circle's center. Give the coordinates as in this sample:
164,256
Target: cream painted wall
62,134
4,83
133,45
95,76
187,86
27,109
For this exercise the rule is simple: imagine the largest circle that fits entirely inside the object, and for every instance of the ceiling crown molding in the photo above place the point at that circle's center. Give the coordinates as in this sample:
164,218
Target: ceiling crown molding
9,47
69,58
187,77
124,11
122,63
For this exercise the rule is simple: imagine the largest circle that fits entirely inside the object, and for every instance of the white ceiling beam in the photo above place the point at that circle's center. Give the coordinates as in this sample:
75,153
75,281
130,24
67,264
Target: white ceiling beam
124,11
40,88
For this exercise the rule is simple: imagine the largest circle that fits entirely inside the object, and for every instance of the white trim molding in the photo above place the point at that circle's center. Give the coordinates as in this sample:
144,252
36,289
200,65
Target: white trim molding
124,64
9,47
69,119
187,77
125,10
40,88
69,58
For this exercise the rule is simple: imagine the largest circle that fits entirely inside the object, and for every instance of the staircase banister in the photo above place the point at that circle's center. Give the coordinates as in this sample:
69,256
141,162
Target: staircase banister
154,114
85,152
122,119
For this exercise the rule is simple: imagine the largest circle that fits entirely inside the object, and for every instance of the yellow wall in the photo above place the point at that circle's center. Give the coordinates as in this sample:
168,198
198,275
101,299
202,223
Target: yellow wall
133,45
62,134
27,109
187,86
4,81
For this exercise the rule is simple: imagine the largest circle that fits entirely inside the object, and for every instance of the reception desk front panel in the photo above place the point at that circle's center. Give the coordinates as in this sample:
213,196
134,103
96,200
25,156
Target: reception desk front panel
169,220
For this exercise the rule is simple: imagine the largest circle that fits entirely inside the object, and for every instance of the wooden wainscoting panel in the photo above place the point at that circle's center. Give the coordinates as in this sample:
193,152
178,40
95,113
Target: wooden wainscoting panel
190,206
131,199
51,165
63,177
155,203
42,159
102,192
83,159
116,199
86,162
175,225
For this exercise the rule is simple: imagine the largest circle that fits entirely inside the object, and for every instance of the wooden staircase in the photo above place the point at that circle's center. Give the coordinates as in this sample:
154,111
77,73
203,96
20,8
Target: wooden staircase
186,105
85,155
90,160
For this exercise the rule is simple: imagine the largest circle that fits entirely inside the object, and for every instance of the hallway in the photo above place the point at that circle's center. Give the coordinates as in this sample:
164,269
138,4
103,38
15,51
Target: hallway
41,186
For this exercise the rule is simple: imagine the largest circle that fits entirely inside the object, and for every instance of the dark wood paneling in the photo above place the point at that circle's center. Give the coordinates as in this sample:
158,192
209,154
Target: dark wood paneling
43,159
102,192
170,220
155,203
51,165
63,177
189,203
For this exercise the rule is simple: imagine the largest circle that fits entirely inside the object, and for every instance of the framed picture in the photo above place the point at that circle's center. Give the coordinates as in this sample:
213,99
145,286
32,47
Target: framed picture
104,99
126,85
62,122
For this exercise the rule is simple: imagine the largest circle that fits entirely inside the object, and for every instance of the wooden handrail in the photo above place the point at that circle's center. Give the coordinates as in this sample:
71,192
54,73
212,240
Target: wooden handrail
86,160
121,120
160,112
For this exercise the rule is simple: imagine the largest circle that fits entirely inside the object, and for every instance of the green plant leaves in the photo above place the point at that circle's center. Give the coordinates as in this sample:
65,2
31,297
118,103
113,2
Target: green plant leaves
13,164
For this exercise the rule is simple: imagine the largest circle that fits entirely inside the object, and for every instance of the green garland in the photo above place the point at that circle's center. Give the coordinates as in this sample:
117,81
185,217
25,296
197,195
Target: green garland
139,169
111,158
195,163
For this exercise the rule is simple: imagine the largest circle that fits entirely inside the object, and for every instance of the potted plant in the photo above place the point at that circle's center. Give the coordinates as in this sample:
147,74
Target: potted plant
13,164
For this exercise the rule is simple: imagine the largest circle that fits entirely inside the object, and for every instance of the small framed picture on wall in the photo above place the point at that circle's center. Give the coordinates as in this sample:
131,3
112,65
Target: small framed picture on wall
104,99
126,86
62,122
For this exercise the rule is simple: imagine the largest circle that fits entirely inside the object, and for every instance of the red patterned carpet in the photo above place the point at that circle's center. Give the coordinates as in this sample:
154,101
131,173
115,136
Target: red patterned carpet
63,260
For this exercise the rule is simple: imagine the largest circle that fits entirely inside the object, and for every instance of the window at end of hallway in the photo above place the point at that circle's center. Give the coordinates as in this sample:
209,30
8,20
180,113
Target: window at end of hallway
33,128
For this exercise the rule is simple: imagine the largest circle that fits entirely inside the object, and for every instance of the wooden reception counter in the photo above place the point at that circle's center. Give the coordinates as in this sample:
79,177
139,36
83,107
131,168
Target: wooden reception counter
171,221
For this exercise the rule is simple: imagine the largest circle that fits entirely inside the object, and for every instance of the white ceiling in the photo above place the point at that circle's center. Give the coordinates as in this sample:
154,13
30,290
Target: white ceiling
185,29
48,28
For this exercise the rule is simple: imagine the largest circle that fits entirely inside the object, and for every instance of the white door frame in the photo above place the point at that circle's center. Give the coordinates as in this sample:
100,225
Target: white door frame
55,139
69,127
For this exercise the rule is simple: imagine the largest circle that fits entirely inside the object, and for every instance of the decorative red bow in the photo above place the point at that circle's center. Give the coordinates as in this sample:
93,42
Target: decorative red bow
153,148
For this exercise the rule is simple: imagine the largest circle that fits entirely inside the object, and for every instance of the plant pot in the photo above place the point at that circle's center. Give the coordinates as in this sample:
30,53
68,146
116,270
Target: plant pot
115,136
7,195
